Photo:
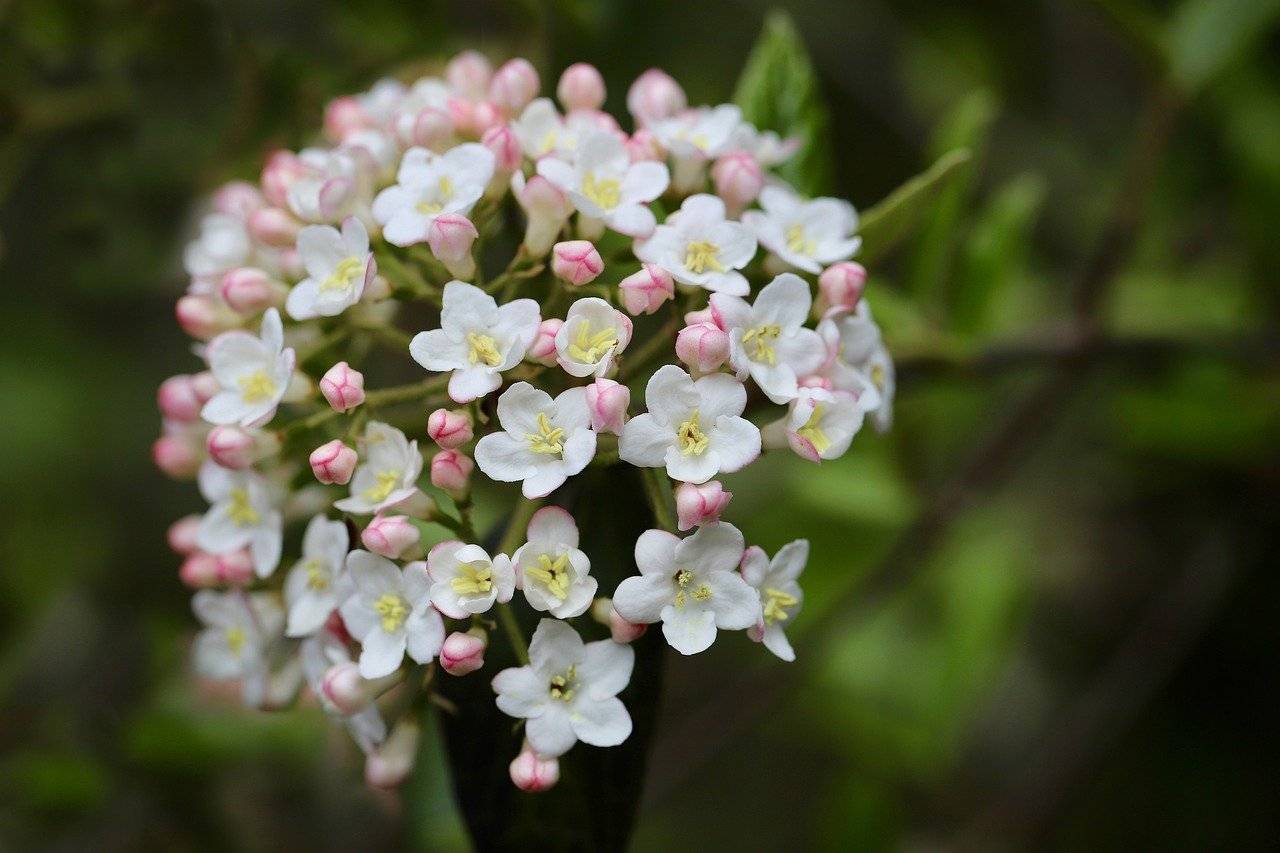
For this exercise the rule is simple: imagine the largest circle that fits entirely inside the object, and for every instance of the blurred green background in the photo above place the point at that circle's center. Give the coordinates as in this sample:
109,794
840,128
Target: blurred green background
1041,612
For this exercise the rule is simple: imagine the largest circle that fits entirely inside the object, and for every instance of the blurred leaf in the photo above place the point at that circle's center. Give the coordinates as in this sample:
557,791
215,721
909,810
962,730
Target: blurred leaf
887,223
52,781
778,90
1206,36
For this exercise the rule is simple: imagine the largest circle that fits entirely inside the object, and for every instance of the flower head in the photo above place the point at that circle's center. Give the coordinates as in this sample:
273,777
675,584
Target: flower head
542,442
465,581
429,185
593,334
244,514
238,628
339,266
780,596
549,567
253,374
699,247
389,473
604,184
311,587
807,235
389,612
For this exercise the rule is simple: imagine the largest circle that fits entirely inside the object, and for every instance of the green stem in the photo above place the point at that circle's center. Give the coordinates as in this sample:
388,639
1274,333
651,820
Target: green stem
511,539
657,489
646,352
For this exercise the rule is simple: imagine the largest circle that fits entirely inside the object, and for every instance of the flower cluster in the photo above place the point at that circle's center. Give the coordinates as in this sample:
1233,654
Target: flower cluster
525,370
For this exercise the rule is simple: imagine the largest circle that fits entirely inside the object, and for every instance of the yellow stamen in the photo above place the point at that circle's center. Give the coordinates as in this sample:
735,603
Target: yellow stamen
878,376
235,639
483,349
547,439
444,194
775,602
473,579
692,440
257,386
393,609
588,348
553,573
812,431
317,575
340,279
702,593
758,342
798,242
386,484
701,256
606,192
562,685
241,511
683,578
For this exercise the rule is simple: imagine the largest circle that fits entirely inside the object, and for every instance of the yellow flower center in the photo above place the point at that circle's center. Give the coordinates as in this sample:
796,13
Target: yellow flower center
589,348
340,279
798,242
562,685
553,573
692,440
241,511
317,575
257,386
775,603
473,578
700,256
812,431
235,639
758,342
483,350
547,439
877,376
605,192
385,485
444,194
393,610
684,579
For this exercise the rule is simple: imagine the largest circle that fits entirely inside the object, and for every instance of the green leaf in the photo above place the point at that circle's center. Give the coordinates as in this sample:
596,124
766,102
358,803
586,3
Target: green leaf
887,223
778,90
1206,36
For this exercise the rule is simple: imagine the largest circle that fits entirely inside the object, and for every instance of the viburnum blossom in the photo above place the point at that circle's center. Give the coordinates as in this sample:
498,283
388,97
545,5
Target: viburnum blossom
465,205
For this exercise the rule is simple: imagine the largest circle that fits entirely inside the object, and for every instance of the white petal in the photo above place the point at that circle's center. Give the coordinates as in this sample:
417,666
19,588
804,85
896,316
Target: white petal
467,307
642,598
670,394
555,645
504,458
438,350
645,441
712,548
381,653
551,734
720,394
472,383
737,443
606,668
689,630
785,301
554,527
775,640
407,227
424,633
655,553
605,723
736,604
521,692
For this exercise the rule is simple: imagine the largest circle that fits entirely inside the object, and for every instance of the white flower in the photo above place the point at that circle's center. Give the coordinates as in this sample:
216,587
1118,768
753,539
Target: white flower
388,473
768,340
765,146
429,184
331,186
821,423
311,587
593,334
550,569
858,358
604,184
693,428
543,441
543,132
780,595
238,628
339,266
690,586
389,611
704,133
252,372
244,514
223,244
465,581
569,691
808,235
699,247
477,339
319,653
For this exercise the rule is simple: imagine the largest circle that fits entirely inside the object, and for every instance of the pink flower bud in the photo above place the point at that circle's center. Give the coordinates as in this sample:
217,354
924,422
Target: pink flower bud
505,145
840,286
392,763
469,73
653,96
451,236
644,291
462,113
231,447
703,346
738,179
274,226
199,571
514,85
431,128
390,535
205,385
235,568
543,349
251,291
343,387
175,457
333,462
699,505
607,401
177,399
576,262
532,773
238,198
485,116
343,115
342,685
547,208
703,315
581,87
279,173
622,631
598,119
451,471
643,145
182,535
203,317
449,429
462,653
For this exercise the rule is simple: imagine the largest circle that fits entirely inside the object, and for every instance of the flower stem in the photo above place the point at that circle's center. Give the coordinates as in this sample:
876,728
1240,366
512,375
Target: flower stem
515,532
643,354
657,488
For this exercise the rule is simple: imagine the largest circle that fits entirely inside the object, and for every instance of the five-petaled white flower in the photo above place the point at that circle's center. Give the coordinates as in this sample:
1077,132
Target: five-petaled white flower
429,184
543,132
311,589
238,628
780,595
693,428
339,266
465,581
222,245
543,442
604,184
768,340
690,585
699,247
477,339
701,133
387,474
252,372
331,186
569,691
593,334
319,653
389,611
245,513
553,573
808,235
857,357
821,424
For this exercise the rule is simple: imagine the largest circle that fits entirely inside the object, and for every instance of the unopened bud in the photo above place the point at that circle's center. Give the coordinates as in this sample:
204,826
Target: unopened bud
182,535
702,346
274,226
176,457
697,505
451,472
203,317
342,116
469,74
547,208
607,401
333,462
581,87
840,286
199,571
342,387
237,198
449,429
231,447
451,236
505,145
514,85
345,689
532,773
249,291
463,652
390,535
576,262
177,399
235,568
644,291
391,763
653,96
281,170
738,179
643,145
543,349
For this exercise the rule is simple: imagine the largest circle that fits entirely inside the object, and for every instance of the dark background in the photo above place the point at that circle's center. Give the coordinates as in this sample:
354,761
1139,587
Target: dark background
1041,612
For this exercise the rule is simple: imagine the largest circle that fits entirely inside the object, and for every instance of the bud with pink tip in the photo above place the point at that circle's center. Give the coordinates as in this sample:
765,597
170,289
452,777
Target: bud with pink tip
182,535
622,631
237,198
576,262
505,145
697,505
343,115
514,85
391,763
205,385
607,401
543,349
204,317
547,208
178,400
463,653
703,315
281,170
451,472
644,291
581,87
451,236
469,74
532,773
643,145
176,457
840,286
342,685
274,227
343,387
199,570
738,179
235,568
703,346
653,96
431,127
485,116
333,462
250,291
390,535
449,429
232,447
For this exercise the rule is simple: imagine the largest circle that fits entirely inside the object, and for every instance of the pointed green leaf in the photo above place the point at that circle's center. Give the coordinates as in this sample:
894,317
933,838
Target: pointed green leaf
888,222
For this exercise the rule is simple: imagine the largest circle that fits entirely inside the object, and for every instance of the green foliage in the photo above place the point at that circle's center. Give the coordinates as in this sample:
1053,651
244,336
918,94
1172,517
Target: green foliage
1206,36
887,223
